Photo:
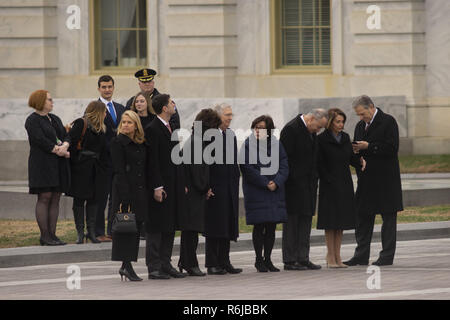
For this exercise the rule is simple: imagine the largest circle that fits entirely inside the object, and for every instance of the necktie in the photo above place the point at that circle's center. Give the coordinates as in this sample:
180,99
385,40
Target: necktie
367,126
168,127
112,112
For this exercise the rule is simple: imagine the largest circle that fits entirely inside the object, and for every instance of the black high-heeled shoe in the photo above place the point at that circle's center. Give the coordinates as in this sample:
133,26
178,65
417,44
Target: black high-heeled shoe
128,273
269,265
47,242
90,236
260,266
57,240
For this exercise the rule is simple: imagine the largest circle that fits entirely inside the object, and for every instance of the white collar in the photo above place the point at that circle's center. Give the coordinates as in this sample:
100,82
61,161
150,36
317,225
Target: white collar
303,119
105,101
163,121
376,111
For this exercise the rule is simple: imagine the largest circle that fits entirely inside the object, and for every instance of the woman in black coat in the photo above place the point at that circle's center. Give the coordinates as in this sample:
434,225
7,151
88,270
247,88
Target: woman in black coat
48,166
88,167
197,181
336,193
128,152
264,194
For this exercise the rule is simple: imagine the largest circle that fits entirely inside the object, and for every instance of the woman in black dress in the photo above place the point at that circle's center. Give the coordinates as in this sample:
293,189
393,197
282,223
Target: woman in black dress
88,167
197,181
129,158
48,166
336,193
142,105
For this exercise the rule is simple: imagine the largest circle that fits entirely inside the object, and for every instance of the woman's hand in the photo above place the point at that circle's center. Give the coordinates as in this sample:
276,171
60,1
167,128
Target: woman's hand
159,195
209,194
272,186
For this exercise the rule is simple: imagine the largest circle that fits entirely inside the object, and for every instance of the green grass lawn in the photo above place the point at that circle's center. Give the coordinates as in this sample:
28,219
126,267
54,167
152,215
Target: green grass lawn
425,163
20,233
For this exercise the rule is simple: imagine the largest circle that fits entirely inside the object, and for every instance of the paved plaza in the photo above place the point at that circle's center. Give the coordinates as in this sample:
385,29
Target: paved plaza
421,271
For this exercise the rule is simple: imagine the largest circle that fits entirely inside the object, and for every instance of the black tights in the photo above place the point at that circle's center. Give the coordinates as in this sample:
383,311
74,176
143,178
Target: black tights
47,211
264,237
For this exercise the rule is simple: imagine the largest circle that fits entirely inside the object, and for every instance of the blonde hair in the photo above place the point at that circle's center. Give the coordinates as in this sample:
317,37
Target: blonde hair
138,136
148,98
94,115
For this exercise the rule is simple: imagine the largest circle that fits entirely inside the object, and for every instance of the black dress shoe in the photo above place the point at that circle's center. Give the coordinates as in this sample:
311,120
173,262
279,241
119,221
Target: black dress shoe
260,265
171,271
158,275
230,269
294,267
269,265
195,272
49,242
380,262
309,265
128,274
353,262
216,271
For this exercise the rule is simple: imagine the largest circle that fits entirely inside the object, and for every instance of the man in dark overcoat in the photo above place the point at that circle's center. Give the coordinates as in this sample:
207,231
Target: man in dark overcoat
166,188
379,188
222,208
112,120
300,142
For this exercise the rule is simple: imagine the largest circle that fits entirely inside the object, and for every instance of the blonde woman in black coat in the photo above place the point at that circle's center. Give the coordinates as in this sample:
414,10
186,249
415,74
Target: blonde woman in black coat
48,166
129,158
337,210
88,157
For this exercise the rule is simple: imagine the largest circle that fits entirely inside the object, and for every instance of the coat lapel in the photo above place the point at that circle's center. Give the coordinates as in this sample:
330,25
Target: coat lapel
304,131
375,123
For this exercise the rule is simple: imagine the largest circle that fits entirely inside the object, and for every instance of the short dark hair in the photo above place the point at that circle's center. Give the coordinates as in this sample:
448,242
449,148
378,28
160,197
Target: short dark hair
210,119
159,101
105,78
267,120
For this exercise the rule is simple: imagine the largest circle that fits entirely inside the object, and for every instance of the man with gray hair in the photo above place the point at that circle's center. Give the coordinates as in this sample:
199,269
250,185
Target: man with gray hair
299,140
379,188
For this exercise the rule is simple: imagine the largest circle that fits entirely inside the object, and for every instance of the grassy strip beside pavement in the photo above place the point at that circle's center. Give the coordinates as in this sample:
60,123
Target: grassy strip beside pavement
21,233
425,163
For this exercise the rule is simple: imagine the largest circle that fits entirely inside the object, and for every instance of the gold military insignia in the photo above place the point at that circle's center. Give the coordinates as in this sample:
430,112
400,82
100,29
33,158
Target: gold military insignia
145,73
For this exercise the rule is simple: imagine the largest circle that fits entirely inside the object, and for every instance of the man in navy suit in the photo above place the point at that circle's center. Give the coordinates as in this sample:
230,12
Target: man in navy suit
112,120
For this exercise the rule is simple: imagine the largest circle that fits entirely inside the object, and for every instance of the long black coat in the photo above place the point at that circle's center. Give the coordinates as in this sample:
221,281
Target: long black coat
88,165
337,209
46,169
301,185
162,172
129,161
222,210
379,186
111,127
197,182
261,204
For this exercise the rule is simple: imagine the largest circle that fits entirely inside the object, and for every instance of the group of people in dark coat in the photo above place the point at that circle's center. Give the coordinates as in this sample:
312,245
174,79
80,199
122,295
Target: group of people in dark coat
132,151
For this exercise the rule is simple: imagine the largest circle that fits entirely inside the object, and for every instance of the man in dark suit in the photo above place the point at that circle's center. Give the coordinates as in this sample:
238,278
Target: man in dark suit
222,208
146,81
166,188
112,120
379,188
300,142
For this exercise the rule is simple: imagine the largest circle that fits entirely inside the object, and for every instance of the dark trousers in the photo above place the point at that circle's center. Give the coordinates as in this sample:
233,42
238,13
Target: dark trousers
159,248
105,198
217,252
296,238
188,249
364,231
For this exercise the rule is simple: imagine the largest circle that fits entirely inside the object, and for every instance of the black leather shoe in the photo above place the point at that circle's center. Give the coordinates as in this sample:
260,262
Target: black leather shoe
353,262
269,265
49,242
58,240
158,275
294,267
171,271
216,271
309,265
380,262
128,274
195,272
230,269
260,265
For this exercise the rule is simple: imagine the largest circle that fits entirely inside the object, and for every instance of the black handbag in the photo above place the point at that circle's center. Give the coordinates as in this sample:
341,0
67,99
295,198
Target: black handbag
124,222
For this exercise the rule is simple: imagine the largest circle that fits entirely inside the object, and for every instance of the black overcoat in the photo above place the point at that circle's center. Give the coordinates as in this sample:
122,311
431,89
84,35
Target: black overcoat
111,127
46,169
129,186
197,182
301,185
379,186
336,209
222,210
162,172
88,165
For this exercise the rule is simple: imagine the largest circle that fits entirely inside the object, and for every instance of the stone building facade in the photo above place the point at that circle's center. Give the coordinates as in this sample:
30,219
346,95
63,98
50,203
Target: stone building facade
208,51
